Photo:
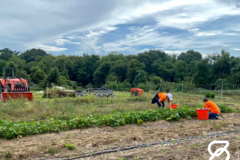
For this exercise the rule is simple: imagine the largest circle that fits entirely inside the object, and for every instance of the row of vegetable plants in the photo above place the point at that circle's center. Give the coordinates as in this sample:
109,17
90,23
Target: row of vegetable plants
10,130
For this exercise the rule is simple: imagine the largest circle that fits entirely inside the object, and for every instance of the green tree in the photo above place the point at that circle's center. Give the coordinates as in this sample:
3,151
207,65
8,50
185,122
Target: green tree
181,70
19,63
189,56
77,64
141,77
38,76
89,66
221,68
46,63
6,54
64,65
27,67
53,75
235,74
148,57
112,78
133,67
8,72
24,75
164,70
33,55
202,72
119,70
2,65
222,83
101,73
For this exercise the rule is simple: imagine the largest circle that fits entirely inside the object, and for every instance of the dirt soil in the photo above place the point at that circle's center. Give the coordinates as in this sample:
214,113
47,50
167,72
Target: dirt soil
51,146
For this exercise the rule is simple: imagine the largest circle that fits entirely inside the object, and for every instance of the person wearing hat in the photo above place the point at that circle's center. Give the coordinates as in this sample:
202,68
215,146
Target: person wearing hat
160,97
214,111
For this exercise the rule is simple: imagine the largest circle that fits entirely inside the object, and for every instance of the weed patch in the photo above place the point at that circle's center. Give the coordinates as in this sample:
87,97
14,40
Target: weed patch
70,146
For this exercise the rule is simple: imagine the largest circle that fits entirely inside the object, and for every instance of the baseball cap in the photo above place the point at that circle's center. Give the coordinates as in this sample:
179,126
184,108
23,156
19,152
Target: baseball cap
169,96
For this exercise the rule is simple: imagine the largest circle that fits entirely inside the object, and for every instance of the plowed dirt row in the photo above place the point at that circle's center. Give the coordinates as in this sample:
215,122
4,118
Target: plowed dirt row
105,138
195,150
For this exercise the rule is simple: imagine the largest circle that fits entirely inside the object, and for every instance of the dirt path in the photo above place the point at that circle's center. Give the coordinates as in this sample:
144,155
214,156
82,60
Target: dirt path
105,138
196,150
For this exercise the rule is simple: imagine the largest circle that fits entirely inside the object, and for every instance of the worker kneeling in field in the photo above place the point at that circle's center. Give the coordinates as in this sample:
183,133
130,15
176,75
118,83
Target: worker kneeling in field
214,111
160,97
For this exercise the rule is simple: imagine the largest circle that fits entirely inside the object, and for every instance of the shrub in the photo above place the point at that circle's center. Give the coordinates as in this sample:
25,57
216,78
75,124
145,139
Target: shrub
226,109
143,86
70,146
8,155
124,86
228,92
207,95
212,95
52,151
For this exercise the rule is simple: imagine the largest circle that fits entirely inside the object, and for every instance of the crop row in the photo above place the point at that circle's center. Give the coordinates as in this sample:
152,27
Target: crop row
10,130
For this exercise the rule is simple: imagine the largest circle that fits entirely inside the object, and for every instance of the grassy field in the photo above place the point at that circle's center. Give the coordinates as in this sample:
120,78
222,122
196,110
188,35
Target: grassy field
63,108
82,131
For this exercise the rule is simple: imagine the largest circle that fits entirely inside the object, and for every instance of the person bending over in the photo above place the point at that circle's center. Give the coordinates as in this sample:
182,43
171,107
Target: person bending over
161,97
214,111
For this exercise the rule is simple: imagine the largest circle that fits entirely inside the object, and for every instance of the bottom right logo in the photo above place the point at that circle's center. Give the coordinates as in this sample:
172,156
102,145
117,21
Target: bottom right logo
219,151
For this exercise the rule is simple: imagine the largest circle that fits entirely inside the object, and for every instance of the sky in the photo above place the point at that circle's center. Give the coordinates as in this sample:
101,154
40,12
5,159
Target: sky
74,27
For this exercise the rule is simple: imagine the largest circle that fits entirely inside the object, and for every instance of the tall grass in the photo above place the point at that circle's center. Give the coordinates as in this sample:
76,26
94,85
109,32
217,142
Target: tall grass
66,107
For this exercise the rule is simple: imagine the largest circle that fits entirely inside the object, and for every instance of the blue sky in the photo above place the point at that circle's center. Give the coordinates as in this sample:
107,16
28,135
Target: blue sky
128,26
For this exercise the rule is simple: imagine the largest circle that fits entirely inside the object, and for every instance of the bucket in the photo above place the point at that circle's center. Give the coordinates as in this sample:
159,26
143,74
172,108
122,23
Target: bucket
174,106
203,114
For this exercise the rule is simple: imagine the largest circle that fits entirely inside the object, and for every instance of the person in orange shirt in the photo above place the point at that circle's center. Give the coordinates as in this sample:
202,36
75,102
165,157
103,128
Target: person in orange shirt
214,111
160,97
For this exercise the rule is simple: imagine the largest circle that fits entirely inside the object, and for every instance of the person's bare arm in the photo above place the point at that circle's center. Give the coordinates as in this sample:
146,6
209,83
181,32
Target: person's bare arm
204,106
160,102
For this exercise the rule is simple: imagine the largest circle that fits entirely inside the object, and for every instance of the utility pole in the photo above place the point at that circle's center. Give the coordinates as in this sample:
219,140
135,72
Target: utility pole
221,91
47,90
117,87
182,89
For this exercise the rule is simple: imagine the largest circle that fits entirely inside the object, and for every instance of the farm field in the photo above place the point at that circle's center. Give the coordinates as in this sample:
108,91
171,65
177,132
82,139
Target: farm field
95,139
66,107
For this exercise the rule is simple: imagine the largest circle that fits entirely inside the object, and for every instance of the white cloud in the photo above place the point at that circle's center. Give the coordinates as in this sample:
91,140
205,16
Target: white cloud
206,34
50,48
173,52
147,35
49,22
237,49
214,33
197,12
193,30
61,42
94,34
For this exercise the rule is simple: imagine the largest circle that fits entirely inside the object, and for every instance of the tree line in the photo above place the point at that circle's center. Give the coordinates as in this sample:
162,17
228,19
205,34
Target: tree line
40,68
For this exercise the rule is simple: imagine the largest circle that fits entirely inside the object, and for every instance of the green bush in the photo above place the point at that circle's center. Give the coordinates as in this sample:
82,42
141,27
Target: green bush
143,86
212,95
207,95
70,146
226,109
124,86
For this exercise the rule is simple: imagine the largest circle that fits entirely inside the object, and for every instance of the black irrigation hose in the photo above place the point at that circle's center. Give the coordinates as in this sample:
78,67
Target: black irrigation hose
157,143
